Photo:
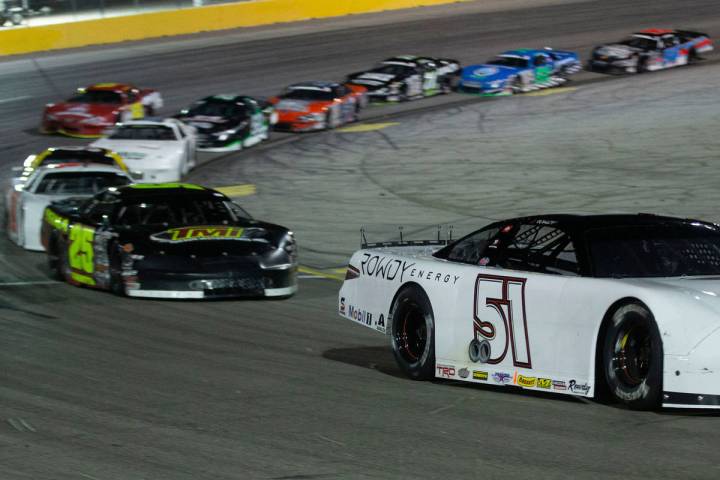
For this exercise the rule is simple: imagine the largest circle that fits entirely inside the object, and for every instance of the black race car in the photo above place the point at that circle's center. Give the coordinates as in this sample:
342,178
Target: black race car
405,77
172,240
648,50
229,122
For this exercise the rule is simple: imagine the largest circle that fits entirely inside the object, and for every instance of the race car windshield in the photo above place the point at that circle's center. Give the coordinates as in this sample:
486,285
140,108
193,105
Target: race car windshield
70,156
655,251
309,94
79,183
143,132
176,212
216,108
515,62
391,69
642,43
97,96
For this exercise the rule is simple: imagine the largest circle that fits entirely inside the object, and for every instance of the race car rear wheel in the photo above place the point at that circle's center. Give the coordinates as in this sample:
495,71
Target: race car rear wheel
632,357
413,333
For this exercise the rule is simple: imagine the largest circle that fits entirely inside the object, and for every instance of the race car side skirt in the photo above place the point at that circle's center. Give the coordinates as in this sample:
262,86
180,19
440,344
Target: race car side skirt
690,400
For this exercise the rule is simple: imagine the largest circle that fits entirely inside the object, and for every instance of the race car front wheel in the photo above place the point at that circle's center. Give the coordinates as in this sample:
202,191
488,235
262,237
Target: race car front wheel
632,357
413,333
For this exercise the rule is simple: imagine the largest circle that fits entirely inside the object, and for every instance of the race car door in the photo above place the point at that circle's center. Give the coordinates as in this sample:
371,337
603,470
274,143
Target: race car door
542,65
514,302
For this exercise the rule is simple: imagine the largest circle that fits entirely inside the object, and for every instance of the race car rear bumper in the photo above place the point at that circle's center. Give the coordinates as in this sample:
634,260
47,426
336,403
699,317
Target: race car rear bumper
607,67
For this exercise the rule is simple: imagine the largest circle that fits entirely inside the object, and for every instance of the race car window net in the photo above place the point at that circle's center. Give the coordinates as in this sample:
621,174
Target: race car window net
97,96
472,248
143,132
79,183
394,69
185,212
537,248
655,251
643,43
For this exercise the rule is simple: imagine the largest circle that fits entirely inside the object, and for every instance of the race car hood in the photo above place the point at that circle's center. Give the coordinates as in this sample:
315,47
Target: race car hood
372,80
137,153
82,112
487,73
208,124
704,290
287,105
616,50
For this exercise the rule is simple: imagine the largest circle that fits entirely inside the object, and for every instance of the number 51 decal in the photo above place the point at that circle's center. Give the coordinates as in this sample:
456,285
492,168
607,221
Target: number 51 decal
499,317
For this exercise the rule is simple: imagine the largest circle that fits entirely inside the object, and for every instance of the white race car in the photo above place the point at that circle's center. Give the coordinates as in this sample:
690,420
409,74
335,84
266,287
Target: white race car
26,203
570,304
155,151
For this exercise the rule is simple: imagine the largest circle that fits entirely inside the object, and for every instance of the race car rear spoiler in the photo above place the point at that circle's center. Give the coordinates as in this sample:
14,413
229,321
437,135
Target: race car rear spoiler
402,242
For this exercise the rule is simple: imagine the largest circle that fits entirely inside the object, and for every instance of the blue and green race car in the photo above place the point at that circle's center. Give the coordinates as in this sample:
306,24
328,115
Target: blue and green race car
519,71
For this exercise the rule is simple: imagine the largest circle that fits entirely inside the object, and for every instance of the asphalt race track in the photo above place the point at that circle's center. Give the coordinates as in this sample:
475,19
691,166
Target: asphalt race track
94,386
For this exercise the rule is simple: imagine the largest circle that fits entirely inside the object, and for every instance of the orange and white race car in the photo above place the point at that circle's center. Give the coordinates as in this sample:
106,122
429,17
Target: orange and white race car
318,105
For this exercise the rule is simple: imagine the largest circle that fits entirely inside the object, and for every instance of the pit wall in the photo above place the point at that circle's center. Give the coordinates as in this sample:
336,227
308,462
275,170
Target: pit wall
192,20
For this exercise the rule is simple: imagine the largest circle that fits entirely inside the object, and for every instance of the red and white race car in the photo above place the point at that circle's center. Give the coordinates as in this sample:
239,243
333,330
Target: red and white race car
318,105
94,109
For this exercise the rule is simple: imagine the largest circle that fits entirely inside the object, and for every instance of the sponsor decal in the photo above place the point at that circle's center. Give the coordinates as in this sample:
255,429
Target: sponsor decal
502,378
559,385
187,234
359,315
393,268
545,383
342,305
381,323
578,388
56,221
524,381
463,373
480,375
445,371
484,71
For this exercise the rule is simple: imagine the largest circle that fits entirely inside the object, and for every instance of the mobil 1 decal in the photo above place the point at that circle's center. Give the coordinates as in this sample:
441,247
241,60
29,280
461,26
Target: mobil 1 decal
499,318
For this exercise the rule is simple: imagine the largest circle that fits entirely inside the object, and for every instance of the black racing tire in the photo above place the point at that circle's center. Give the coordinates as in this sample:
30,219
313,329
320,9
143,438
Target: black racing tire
515,85
116,282
16,18
641,64
62,264
633,357
330,124
693,56
403,93
412,333
356,114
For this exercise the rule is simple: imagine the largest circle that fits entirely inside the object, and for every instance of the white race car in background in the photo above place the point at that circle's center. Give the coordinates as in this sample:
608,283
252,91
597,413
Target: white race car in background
155,151
25,204
567,304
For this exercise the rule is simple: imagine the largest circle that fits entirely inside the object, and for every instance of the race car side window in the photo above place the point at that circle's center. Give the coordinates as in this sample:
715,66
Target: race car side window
101,209
472,249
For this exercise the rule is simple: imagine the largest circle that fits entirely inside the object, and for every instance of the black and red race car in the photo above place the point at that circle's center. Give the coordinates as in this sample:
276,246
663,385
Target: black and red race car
94,109
171,240
649,50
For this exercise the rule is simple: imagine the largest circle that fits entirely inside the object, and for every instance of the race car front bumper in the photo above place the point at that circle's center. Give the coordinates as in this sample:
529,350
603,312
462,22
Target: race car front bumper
693,380
266,283
300,126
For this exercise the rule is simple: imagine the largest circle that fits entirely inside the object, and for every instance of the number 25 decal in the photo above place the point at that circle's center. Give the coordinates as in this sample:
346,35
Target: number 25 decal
81,248
499,317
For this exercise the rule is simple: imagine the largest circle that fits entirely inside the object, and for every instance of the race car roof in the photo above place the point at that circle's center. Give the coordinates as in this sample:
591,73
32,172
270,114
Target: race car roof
73,167
655,31
148,190
322,86
111,87
579,222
